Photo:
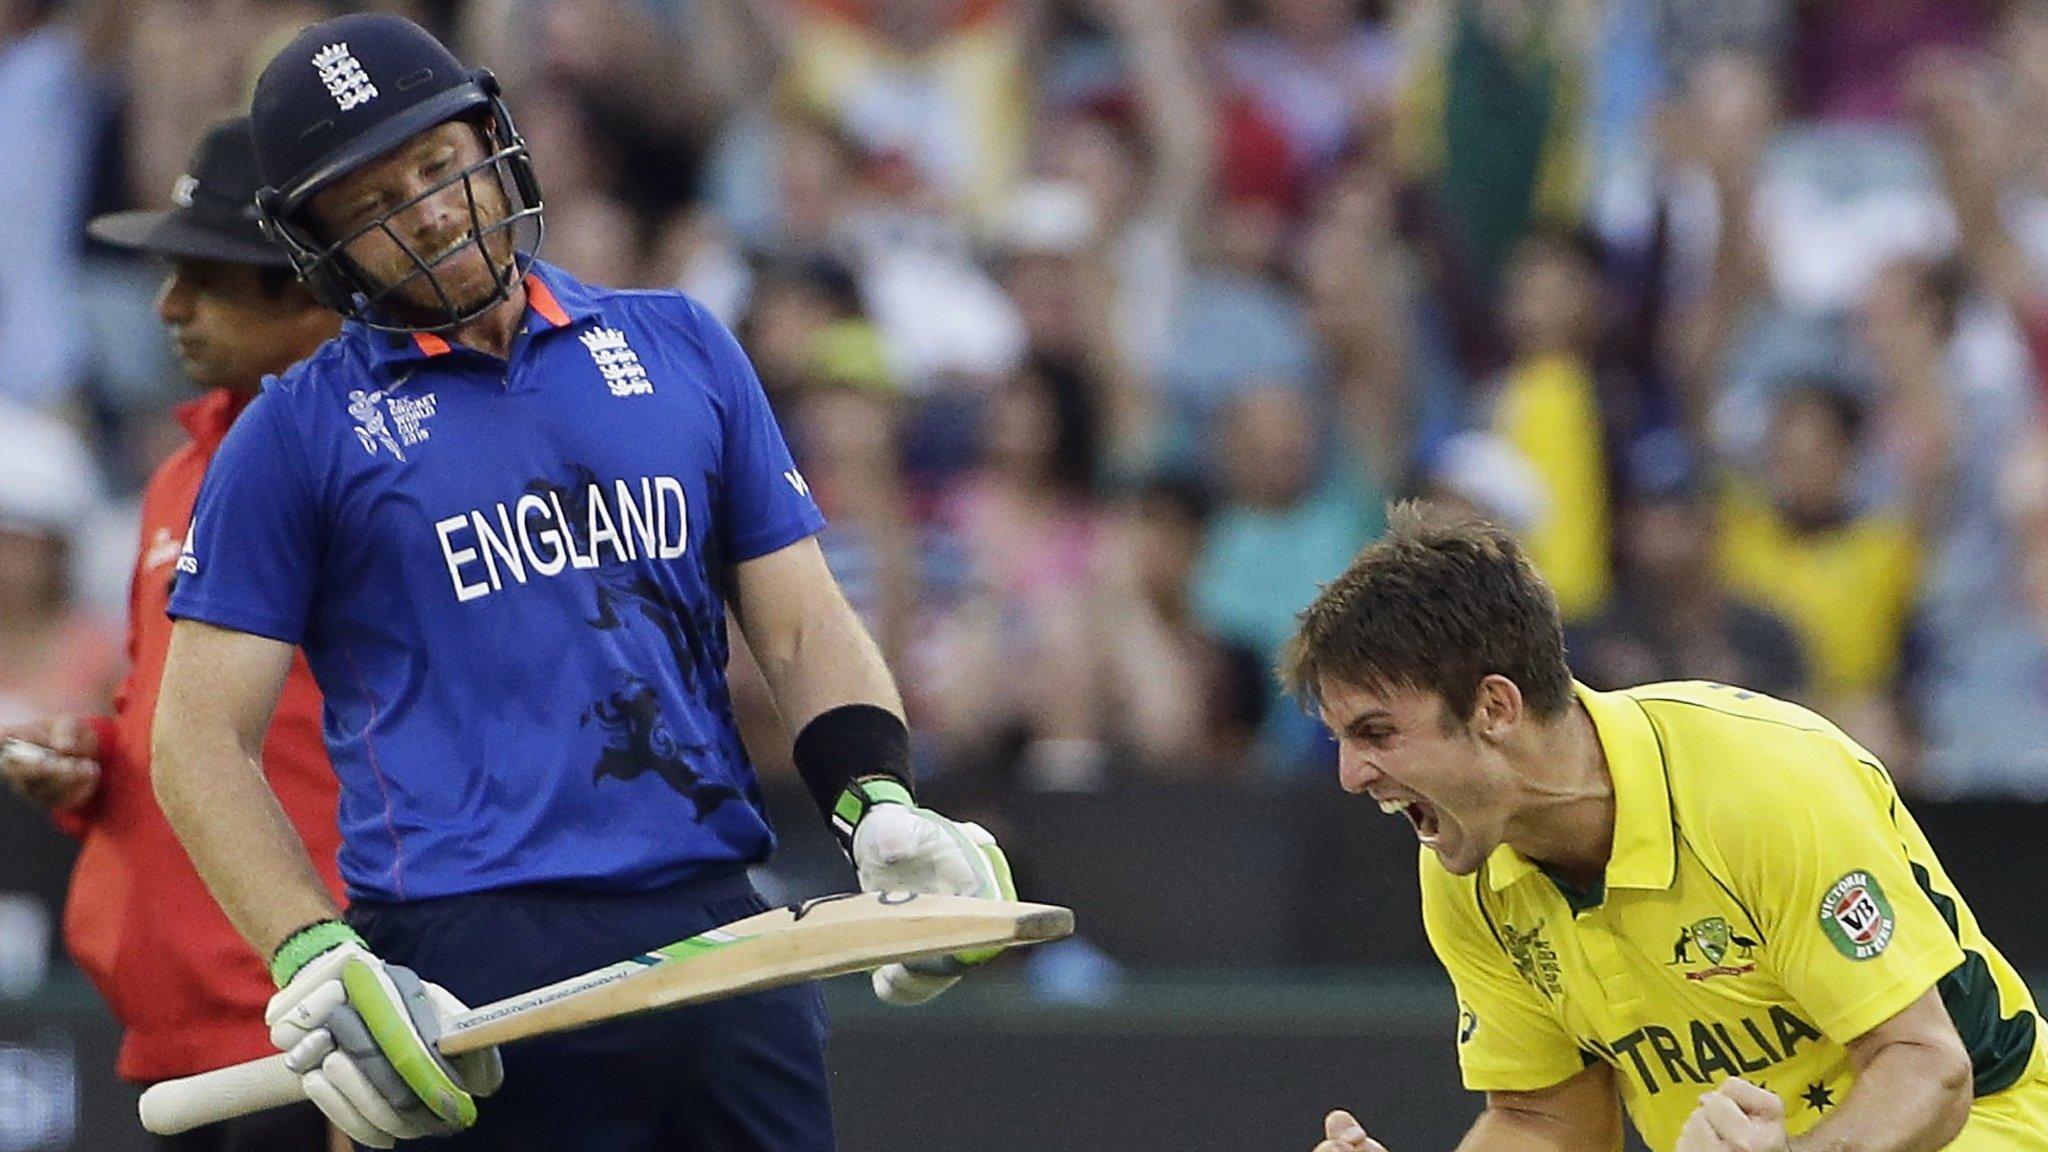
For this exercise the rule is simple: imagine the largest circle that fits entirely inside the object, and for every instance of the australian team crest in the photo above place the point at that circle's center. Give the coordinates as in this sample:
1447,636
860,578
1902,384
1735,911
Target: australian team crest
1711,948
1711,935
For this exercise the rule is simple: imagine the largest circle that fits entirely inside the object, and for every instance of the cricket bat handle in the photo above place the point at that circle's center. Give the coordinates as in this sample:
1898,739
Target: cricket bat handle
181,1105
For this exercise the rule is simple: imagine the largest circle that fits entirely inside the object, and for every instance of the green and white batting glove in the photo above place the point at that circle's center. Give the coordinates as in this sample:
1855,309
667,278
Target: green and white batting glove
360,1034
898,846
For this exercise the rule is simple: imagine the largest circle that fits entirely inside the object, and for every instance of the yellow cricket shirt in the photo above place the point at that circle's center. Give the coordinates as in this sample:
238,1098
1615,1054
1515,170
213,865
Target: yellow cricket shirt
1768,899
1848,591
1549,409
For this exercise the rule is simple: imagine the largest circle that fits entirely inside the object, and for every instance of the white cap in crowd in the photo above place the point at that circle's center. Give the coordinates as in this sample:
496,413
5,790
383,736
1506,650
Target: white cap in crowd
48,485
1495,476
1047,217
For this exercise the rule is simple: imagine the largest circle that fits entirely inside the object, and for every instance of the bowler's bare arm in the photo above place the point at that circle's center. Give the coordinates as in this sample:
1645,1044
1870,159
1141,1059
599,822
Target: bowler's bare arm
1582,1114
1912,1090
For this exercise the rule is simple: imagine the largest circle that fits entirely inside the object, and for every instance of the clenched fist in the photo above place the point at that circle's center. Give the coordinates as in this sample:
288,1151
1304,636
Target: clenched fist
1343,1133
54,764
1737,1116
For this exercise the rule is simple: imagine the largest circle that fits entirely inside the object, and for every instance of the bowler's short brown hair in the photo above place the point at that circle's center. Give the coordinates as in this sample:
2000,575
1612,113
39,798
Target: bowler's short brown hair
1438,604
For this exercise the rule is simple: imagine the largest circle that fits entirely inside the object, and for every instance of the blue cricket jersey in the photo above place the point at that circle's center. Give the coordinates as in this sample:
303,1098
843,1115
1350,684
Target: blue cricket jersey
509,577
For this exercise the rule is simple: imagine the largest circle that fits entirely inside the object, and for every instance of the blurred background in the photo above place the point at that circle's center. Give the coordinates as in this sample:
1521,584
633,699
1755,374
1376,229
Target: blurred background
1103,331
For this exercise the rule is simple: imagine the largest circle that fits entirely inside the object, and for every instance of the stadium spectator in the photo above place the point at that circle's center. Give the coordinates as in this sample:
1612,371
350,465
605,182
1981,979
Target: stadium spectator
1294,510
44,122
1491,115
1362,297
1174,206
1801,544
1851,59
1143,157
1547,404
1009,657
1966,435
844,435
1316,70
55,659
1797,536
1673,616
1178,698
942,85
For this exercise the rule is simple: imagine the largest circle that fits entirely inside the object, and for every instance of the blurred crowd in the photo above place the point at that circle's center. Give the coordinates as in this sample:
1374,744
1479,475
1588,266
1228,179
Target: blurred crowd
1104,330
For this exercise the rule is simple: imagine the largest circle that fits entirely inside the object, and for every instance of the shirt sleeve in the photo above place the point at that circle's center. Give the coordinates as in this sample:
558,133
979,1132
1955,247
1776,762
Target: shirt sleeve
764,503
1850,930
1508,1038
251,558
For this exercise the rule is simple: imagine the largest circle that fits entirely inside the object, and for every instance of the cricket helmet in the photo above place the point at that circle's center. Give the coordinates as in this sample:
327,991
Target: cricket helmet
348,91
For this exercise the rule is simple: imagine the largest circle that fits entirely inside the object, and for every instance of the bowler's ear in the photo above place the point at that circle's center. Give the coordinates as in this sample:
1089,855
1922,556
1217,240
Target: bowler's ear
1497,708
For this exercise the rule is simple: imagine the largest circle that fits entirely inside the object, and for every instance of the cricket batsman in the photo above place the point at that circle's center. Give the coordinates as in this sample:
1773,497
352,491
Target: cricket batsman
1689,901
505,514
187,990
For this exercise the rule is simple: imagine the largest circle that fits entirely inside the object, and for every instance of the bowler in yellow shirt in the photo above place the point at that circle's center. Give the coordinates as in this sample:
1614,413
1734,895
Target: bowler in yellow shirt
1695,903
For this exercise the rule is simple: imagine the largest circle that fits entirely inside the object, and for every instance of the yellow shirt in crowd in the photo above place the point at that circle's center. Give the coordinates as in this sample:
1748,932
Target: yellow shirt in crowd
960,111
1549,410
1768,900
1848,591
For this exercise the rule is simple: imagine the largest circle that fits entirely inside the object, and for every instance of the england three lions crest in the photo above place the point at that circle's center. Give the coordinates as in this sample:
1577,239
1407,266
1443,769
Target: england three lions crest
617,362
344,77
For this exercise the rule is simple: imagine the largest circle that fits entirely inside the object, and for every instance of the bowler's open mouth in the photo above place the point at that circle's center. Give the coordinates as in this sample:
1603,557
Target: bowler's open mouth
1420,815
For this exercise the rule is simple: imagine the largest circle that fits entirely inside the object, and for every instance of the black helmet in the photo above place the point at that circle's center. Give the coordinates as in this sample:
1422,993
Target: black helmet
214,208
345,92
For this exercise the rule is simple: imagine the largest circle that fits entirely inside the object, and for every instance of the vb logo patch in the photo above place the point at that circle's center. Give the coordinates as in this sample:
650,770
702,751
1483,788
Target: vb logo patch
1857,917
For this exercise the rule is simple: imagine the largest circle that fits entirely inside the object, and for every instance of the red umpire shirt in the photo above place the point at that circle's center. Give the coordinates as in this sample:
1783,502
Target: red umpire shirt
139,921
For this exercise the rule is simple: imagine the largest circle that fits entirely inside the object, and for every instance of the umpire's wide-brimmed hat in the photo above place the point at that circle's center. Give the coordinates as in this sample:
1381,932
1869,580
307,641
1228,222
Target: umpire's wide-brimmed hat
214,217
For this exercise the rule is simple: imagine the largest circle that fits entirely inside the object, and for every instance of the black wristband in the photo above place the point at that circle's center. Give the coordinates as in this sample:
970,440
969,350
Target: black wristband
847,743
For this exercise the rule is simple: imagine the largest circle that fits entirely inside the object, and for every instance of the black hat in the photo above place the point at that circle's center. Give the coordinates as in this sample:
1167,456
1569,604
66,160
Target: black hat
215,215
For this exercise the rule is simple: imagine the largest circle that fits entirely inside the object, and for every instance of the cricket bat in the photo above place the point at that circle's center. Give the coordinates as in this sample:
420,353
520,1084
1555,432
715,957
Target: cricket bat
828,936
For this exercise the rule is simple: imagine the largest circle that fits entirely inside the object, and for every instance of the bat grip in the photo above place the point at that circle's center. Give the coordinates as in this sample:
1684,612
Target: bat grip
939,966
186,1103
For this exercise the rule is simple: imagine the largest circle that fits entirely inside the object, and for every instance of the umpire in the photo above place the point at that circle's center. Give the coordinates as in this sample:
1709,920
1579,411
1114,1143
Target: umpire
187,990
506,513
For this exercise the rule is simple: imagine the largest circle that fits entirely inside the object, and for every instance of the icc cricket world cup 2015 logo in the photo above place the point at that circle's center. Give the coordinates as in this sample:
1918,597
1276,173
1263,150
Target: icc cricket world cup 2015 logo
366,410
1535,959
376,413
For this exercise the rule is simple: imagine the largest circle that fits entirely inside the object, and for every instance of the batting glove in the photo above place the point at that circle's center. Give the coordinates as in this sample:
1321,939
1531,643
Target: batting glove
897,846
360,1034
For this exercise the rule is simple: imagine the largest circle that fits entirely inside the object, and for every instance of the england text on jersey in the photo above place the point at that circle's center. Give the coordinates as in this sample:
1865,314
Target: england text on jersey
486,549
